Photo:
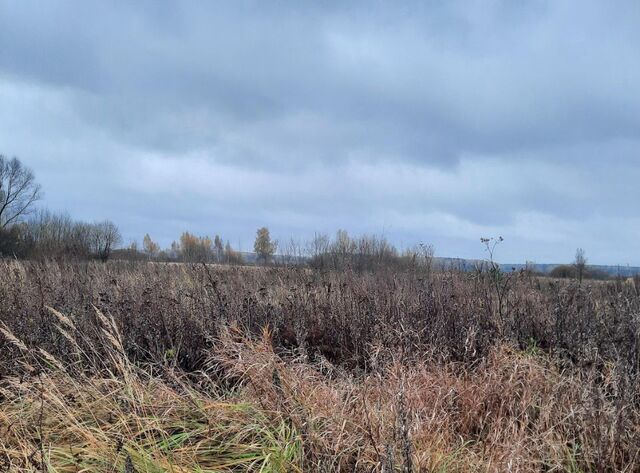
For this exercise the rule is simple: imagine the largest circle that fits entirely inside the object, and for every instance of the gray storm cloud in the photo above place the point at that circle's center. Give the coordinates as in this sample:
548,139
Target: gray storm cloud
434,122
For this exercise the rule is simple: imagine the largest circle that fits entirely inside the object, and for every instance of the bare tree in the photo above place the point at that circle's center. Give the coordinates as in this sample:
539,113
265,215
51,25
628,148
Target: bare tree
105,236
291,253
580,263
218,248
317,250
56,235
18,191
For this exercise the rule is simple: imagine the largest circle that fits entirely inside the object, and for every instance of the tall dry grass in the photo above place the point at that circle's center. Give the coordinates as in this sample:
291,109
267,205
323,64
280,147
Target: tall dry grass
147,367
114,416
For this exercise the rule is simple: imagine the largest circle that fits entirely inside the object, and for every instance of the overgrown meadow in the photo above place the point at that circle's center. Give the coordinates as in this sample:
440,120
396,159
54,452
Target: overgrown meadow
152,367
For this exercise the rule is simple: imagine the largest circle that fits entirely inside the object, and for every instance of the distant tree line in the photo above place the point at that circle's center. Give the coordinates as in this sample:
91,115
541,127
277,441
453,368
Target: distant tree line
367,252
29,233
343,252
192,248
26,232
579,269
569,271
49,235
189,248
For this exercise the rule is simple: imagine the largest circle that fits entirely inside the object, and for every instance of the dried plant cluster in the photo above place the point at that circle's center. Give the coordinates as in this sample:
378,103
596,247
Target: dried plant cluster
151,367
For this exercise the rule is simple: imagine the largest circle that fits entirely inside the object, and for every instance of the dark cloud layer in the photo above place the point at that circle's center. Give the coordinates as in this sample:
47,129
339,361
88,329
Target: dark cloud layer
433,121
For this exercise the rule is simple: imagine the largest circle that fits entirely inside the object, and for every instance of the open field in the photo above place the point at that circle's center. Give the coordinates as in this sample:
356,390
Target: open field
150,368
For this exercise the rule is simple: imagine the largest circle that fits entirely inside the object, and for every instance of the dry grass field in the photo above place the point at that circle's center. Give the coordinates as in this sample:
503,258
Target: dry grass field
142,367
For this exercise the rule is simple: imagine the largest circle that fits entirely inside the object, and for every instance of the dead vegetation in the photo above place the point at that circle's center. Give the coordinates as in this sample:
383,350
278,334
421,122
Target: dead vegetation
150,367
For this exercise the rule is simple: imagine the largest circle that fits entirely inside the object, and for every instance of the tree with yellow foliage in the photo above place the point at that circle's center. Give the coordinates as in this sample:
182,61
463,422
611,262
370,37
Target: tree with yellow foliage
150,247
263,246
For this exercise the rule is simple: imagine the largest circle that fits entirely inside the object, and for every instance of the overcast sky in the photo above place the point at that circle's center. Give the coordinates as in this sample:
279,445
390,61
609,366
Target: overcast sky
435,121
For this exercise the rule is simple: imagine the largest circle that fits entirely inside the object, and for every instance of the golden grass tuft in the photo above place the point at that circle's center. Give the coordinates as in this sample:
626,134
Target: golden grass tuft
514,411
101,424
130,420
